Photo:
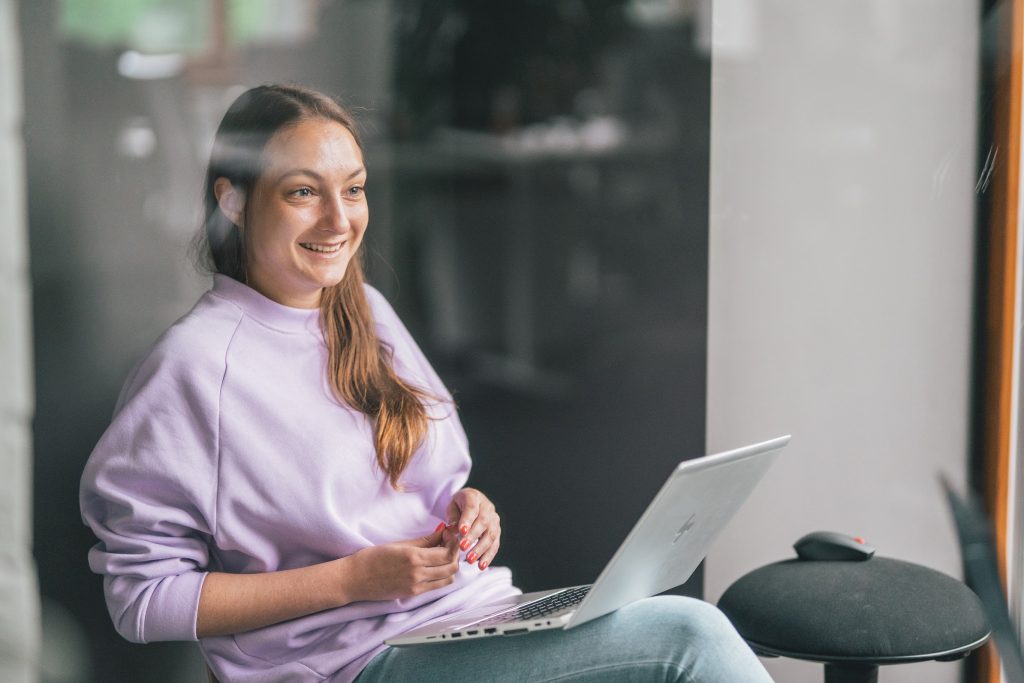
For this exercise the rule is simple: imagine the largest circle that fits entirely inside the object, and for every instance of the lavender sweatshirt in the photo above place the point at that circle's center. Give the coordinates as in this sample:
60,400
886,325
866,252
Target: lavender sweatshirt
228,452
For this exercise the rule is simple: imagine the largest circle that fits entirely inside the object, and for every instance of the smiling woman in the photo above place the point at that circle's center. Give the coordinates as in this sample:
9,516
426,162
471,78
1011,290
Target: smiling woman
294,525
285,214
307,214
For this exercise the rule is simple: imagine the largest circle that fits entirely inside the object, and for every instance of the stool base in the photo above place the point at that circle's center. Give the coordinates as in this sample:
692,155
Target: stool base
851,673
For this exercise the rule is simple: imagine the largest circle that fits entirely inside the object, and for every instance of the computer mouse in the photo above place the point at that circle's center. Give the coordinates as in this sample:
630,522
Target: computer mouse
830,545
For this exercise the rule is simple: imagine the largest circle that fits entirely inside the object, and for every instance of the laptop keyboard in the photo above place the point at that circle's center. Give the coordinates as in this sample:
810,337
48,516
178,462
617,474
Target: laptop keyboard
556,602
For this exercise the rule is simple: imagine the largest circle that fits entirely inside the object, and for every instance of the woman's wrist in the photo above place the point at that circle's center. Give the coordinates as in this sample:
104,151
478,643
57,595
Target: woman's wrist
343,591
232,603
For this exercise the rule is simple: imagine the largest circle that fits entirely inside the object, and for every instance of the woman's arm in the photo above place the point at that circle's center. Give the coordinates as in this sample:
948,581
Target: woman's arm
233,603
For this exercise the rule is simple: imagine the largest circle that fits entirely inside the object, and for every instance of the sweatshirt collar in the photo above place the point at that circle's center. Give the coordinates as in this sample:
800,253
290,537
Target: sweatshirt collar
264,310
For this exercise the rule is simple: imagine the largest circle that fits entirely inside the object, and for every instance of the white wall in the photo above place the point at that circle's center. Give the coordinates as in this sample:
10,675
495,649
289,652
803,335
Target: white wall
841,249
19,616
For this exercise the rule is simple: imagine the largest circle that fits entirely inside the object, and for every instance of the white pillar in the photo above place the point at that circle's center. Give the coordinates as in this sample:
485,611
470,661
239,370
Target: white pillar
841,273
19,596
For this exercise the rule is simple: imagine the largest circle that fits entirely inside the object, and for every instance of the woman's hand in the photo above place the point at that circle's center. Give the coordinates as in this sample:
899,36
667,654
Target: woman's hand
472,517
401,570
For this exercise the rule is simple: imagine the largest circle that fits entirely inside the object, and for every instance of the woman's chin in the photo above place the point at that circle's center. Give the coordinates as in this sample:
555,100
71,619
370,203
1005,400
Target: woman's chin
326,282
328,275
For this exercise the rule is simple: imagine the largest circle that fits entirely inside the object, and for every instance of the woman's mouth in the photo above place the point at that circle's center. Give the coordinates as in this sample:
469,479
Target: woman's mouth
322,248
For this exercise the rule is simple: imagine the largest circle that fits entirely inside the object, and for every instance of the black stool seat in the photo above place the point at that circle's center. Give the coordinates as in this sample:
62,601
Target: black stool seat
855,614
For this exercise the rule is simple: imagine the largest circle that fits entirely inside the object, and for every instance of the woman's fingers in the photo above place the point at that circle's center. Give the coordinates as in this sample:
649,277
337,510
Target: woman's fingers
488,556
399,570
482,546
434,572
426,586
454,512
434,539
467,501
485,522
472,516
438,569
486,537
436,556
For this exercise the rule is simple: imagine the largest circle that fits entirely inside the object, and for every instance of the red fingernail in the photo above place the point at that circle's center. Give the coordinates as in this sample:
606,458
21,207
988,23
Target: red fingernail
471,558
482,565
465,544
439,527
463,529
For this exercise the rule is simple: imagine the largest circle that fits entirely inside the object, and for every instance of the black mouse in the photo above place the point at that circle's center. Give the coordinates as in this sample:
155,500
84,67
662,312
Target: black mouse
829,545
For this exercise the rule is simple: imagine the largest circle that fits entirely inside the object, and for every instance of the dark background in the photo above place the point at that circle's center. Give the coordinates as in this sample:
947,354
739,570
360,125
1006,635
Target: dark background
538,185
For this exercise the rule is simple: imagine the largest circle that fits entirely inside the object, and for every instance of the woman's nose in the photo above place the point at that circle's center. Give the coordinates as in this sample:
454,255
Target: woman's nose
335,218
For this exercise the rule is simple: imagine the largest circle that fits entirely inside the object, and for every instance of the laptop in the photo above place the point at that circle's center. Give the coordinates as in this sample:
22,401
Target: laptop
663,549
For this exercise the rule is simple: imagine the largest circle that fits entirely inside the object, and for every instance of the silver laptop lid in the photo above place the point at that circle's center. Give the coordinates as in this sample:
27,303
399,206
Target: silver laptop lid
676,531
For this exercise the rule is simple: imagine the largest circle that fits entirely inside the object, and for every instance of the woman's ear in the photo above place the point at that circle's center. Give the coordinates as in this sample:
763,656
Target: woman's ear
230,199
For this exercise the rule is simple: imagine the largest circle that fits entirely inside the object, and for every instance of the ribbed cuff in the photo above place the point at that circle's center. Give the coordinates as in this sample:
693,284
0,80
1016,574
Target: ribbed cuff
173,608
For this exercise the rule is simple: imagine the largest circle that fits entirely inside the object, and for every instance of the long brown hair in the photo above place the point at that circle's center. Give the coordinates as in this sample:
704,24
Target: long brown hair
359,365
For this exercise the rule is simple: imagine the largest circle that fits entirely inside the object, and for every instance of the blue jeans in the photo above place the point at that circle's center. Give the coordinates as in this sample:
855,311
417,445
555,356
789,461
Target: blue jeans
667,638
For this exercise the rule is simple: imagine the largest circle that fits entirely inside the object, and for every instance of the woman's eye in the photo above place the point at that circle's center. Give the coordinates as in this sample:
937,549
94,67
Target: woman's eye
356,191
302,192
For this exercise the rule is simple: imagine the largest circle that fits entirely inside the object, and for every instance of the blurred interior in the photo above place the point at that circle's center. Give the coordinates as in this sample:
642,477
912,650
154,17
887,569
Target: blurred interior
538,188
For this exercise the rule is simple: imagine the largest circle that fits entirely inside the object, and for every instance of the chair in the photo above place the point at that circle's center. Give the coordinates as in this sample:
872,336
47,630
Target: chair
854,616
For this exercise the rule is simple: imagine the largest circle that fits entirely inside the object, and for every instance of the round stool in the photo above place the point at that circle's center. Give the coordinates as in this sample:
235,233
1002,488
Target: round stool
855,615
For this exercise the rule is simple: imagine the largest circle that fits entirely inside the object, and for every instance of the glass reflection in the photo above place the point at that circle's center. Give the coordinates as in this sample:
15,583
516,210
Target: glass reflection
538,190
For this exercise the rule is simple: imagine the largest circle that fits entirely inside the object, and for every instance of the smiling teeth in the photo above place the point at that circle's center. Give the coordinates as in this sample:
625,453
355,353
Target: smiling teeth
322,248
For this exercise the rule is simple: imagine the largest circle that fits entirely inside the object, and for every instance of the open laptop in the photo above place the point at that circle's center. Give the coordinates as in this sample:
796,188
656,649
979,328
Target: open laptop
665,546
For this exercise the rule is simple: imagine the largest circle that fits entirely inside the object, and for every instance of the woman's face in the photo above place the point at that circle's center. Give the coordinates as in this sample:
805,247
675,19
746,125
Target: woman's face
307,213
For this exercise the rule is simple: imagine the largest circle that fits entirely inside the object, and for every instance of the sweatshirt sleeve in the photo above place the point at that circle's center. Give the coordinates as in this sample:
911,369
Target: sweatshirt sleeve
148,493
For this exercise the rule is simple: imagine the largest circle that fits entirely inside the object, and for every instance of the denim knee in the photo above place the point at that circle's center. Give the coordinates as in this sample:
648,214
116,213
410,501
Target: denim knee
698,636
687,614
700,618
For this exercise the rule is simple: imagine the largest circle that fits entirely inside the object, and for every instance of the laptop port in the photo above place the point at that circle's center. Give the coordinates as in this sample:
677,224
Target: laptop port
472,633
491,630
456,635
516,631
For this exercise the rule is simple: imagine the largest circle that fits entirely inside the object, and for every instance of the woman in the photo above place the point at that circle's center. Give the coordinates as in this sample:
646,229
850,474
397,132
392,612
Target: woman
283,477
